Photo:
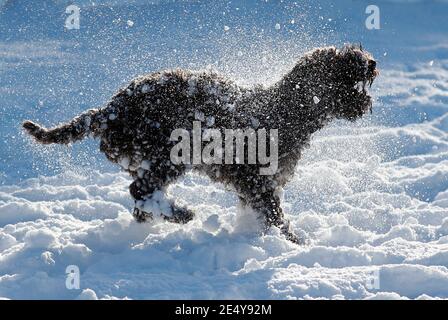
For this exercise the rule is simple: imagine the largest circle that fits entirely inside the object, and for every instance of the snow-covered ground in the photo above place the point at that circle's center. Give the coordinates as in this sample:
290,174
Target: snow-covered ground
371,197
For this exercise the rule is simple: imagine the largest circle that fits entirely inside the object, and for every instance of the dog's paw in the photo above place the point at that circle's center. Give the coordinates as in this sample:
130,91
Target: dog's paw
141,216
180,215
291,236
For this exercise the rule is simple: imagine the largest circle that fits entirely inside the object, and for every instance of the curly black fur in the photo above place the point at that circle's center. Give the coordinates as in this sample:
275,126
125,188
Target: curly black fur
135,126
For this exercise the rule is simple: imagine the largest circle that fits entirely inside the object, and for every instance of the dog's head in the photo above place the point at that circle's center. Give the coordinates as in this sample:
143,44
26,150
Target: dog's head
353,70
340,78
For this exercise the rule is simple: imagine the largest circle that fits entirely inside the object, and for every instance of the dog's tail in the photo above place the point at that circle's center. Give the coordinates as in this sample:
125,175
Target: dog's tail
77,129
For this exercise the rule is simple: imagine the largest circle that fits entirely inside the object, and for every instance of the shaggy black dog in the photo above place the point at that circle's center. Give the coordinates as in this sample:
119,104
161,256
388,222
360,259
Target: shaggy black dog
136,125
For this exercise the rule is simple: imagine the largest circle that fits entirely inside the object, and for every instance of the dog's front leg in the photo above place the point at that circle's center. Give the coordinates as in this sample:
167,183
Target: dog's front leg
268,205
140,215
140,189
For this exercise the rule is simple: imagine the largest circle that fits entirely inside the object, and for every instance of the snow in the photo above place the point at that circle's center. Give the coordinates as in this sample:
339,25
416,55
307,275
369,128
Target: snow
210,121
145,164
87,294
124,162
198,115
146,88
370,197
359,216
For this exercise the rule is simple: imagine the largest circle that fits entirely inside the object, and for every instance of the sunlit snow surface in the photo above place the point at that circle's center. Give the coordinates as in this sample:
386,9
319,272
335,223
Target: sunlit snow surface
371,197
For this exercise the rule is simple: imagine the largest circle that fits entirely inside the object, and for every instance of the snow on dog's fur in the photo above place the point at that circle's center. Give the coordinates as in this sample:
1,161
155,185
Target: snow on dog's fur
136,125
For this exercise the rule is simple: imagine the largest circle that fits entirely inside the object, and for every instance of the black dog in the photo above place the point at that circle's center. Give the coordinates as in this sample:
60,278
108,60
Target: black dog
136,125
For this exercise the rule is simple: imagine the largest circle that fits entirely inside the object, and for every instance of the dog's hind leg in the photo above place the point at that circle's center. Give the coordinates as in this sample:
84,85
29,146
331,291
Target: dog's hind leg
180,215
151,181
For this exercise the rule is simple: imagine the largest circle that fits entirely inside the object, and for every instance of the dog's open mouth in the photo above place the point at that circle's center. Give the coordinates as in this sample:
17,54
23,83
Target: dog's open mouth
360,86
363,85
370,75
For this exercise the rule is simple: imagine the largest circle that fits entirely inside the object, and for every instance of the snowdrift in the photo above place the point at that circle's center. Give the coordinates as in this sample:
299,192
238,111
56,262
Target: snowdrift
371,197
